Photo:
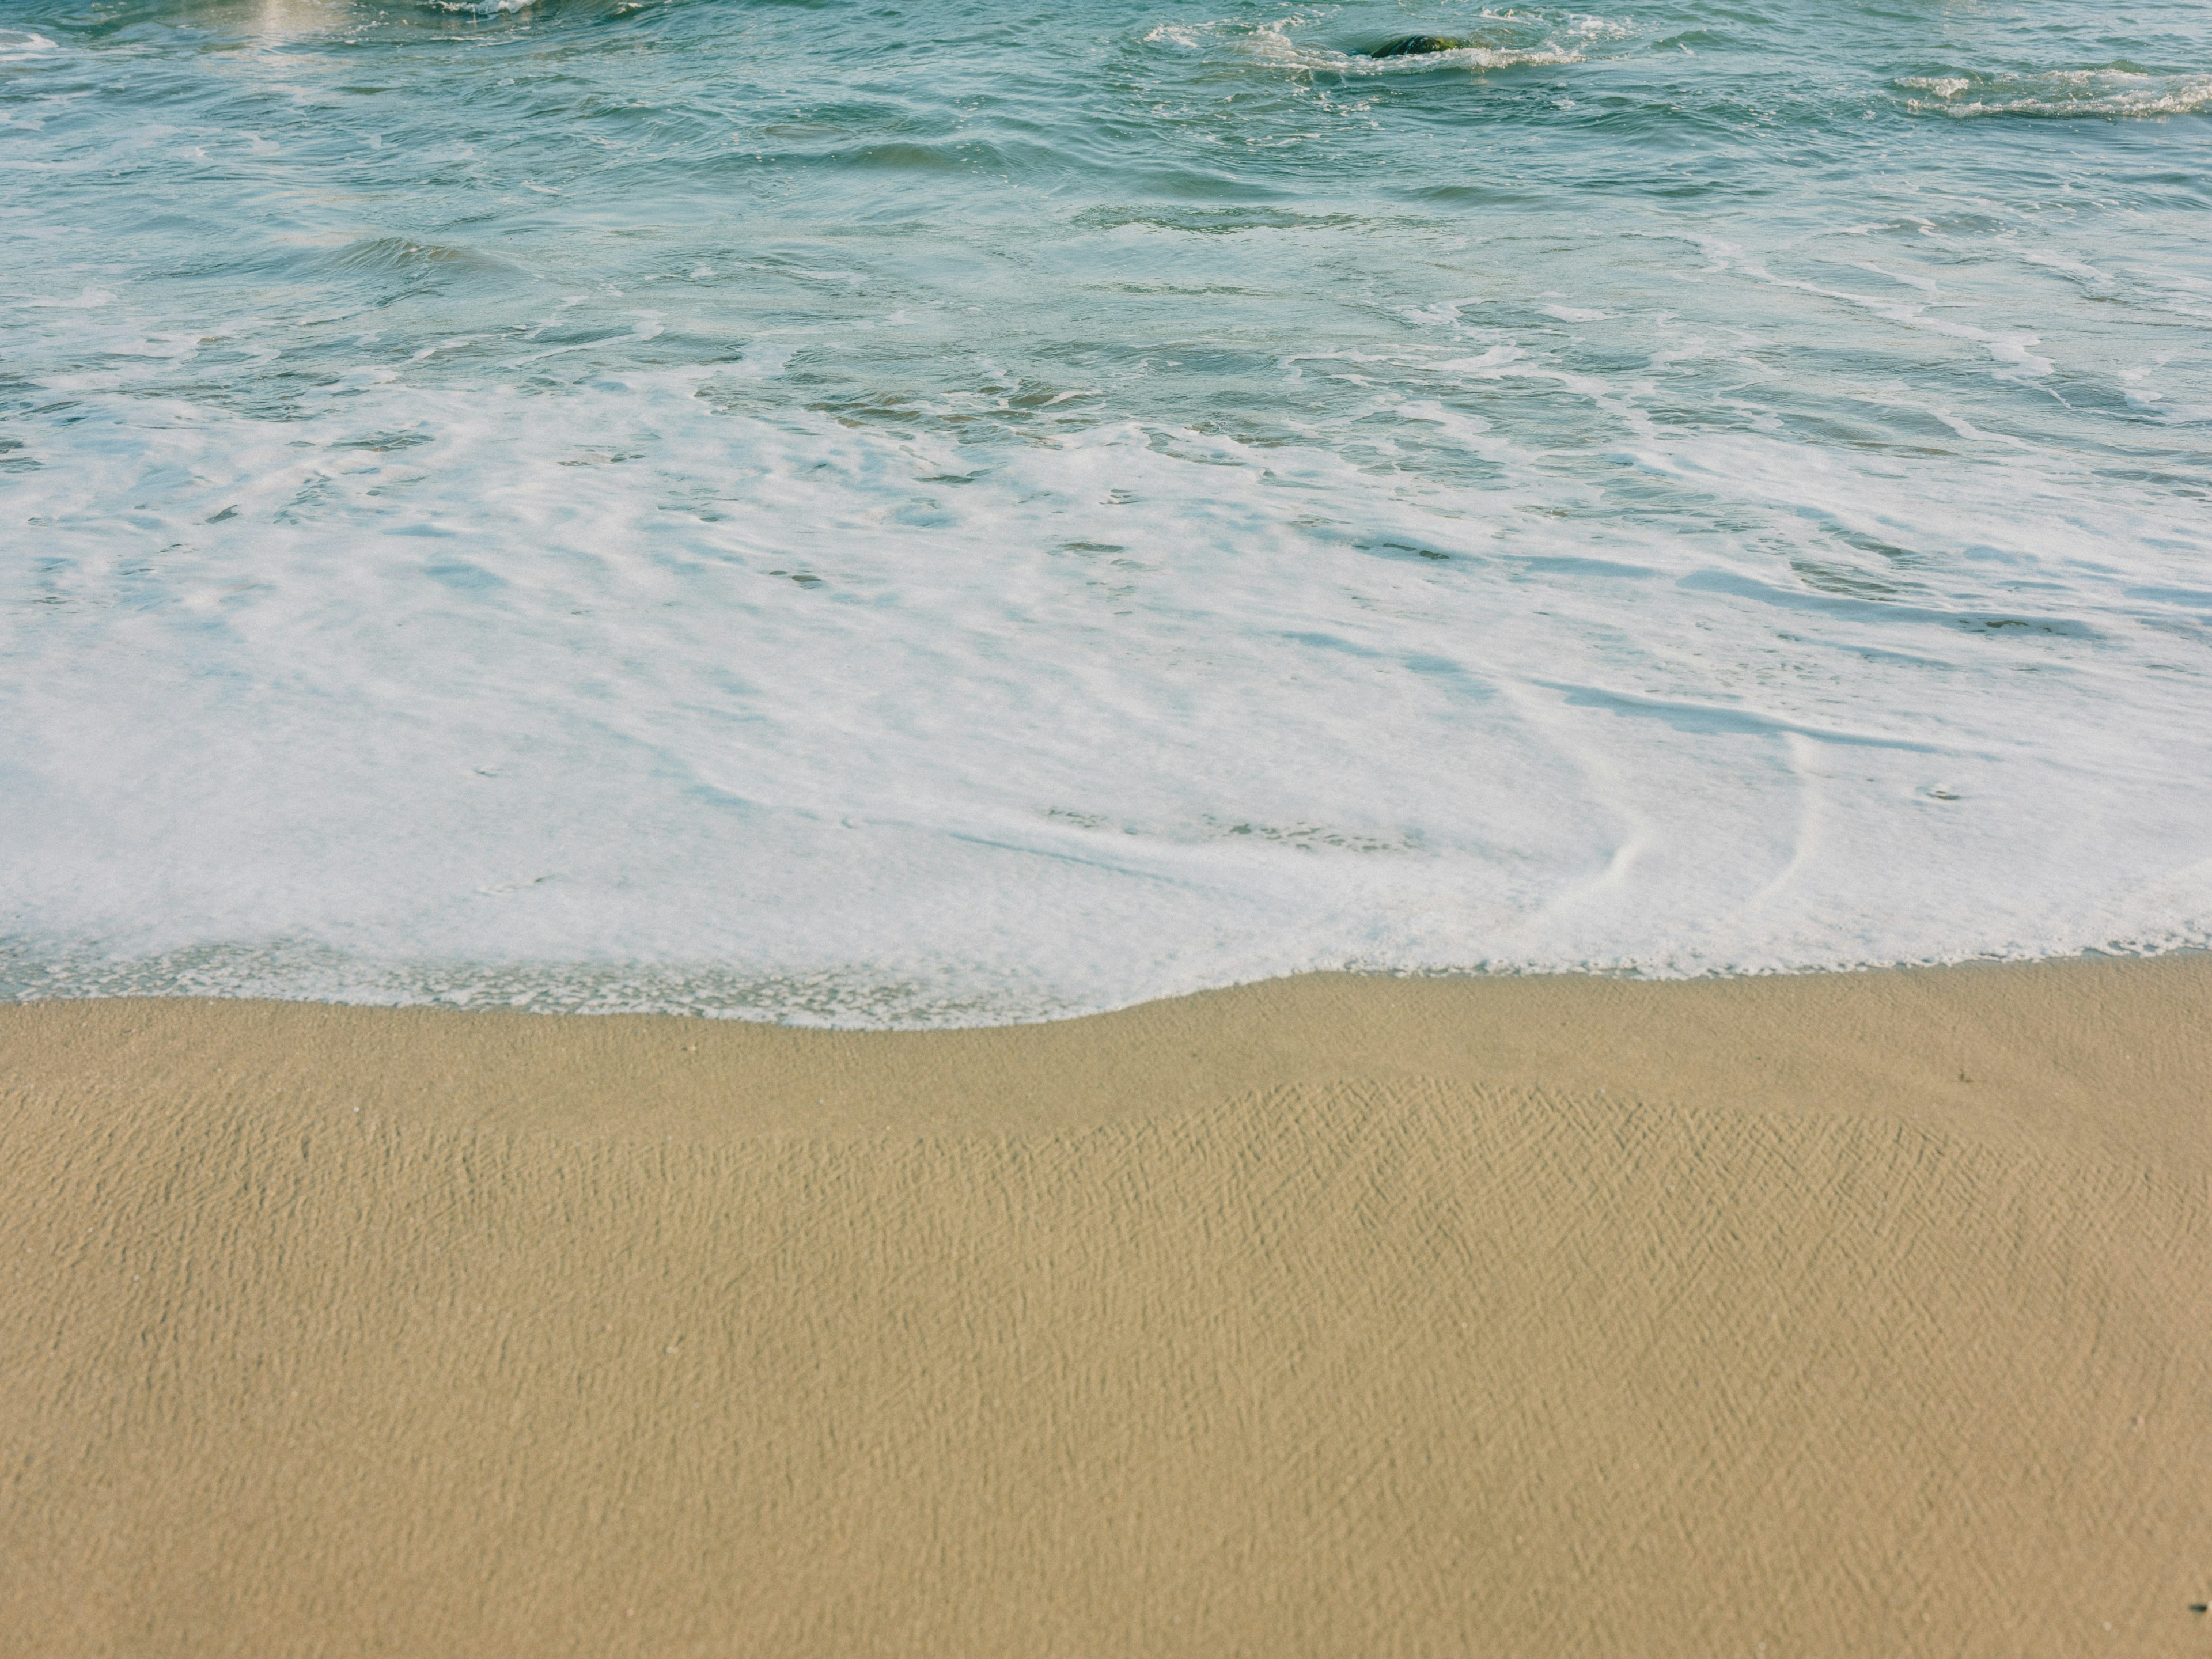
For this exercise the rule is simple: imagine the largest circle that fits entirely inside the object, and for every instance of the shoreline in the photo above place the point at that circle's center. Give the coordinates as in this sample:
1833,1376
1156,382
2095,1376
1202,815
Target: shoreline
1848,1312
1858,1041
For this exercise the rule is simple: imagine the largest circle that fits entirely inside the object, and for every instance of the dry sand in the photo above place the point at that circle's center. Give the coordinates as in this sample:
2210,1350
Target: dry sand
1862,1315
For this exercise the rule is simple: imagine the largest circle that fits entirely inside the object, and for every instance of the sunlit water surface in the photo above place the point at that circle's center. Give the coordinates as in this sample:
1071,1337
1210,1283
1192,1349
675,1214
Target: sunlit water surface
980,509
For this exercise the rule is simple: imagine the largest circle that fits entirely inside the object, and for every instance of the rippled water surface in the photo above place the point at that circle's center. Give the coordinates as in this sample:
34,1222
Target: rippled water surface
972,511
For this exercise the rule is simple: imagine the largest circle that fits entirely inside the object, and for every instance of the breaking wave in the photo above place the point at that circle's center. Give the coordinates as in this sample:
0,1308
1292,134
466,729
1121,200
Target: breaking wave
2109,93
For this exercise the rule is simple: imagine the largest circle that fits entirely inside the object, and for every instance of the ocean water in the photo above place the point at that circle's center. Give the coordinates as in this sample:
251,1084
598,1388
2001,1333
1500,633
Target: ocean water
878,514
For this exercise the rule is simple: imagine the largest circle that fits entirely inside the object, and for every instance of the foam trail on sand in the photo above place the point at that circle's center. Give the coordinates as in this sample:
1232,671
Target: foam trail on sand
1108,714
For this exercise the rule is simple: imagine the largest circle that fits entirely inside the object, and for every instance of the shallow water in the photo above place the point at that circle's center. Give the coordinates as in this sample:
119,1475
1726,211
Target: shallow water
980,510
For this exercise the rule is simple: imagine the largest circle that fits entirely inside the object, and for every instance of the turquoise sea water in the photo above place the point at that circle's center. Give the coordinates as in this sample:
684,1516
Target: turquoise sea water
892,514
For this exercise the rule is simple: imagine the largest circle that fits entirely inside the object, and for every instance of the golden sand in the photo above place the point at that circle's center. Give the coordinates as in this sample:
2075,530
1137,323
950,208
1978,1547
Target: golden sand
1856,1316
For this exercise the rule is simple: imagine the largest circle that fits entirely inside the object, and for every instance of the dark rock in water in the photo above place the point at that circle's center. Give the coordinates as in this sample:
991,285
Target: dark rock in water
1415,46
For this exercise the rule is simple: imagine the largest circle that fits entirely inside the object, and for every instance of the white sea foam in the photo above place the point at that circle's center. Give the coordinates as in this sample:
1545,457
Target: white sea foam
24,46
426,690
666,508
2109,93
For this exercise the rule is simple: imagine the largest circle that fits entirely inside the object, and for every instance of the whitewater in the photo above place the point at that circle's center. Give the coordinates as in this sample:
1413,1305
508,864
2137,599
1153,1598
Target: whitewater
878,515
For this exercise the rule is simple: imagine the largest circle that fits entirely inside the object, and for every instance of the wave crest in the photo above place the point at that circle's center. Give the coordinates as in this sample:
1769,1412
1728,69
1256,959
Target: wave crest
2110,93
21,45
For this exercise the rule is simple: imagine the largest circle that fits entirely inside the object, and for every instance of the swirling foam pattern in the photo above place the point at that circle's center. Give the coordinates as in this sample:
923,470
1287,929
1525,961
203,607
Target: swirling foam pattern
888,514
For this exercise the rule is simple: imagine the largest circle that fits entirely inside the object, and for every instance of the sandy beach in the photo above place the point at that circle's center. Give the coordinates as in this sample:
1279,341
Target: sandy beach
1833,1314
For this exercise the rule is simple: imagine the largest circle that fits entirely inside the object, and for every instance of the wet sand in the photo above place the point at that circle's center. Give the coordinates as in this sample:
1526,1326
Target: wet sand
1844,1313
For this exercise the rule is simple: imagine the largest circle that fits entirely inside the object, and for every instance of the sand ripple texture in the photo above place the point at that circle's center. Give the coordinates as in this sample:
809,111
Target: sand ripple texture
1844,1317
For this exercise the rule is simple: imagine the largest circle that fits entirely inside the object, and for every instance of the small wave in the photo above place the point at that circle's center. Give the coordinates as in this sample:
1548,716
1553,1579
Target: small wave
1473,58
2109,92
21,45
1275,47
383,257
1516,42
